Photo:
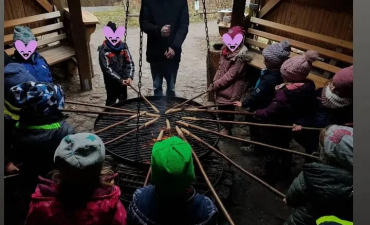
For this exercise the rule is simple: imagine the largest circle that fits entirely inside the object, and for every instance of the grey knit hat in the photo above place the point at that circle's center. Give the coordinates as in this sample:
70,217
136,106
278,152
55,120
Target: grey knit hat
80,157
24,34
338,146
276,54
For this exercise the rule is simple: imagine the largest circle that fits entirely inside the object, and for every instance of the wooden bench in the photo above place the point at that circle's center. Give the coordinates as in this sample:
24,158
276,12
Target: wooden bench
319,73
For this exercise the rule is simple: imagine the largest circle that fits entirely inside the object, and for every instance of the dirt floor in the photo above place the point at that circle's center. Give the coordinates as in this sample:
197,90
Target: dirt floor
250,202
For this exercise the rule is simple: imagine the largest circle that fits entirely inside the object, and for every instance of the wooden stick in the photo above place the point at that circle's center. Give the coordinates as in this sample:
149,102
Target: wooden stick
349,124
98,106
159,138
97,112
145,99
118,123
218,200
249,123
209,106
13,175
181,104
219,111
132,131
248,141
233,163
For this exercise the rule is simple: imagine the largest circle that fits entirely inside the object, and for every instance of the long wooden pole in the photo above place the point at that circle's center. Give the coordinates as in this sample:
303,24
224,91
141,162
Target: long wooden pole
181,104
209,106
219,111
249,123
145,99
118,123
233,163
159,138
98,106
96,112
218,200
248,141
132,131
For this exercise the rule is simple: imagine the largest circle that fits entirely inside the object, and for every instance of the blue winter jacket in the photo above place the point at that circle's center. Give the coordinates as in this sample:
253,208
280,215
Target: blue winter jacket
37,66
147,209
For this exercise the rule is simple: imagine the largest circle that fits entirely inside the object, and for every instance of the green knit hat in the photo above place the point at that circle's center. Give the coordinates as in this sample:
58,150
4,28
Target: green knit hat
172,165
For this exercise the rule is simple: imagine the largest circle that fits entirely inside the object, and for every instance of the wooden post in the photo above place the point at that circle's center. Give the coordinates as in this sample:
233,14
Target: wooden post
81,44
215,60
238,13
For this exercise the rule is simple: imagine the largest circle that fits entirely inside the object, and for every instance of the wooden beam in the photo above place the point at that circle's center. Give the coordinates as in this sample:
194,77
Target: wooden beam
237,15
268,7
46,5
81,44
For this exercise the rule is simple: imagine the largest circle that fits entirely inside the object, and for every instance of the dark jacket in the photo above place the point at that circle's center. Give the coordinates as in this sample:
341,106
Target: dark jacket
147,209
288,106
264,90
37,66
320,190
154,14
116,62
229,81
103,208
324,116
35,146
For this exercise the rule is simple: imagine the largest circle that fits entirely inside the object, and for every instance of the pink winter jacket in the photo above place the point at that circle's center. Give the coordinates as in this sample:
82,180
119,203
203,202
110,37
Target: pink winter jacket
229,84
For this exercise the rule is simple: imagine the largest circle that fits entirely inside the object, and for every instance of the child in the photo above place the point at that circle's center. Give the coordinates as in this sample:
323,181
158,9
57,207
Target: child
228,83
41,125
14,74
36,65
333,106
293,100
324,190
171,200
81,191
274,56
118,68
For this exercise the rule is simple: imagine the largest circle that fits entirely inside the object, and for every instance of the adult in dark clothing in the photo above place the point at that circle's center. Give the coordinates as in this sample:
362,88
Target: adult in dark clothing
293,100
118,68
171,200
166,23
333,106
324,191
264,91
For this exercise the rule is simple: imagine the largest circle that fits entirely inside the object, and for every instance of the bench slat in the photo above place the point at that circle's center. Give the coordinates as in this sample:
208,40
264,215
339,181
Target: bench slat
31,19
58,54
304,33
317,64
257,62
37,31
304,46
60,37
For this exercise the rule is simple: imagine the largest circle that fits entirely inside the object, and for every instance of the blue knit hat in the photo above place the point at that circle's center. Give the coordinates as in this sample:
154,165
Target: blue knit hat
37,98
24,34
15,74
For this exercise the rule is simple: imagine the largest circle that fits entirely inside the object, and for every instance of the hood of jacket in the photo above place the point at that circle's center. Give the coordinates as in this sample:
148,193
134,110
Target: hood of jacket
241,55
328,183
307,88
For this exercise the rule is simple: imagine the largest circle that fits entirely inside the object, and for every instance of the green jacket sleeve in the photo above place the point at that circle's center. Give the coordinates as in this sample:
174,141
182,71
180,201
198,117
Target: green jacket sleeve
296,195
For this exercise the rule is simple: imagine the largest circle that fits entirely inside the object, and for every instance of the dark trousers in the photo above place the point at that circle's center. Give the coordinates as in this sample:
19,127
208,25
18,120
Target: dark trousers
168,70
226,116
115,91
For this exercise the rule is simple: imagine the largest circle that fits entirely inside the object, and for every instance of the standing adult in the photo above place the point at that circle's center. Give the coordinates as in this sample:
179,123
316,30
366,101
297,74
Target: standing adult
166,23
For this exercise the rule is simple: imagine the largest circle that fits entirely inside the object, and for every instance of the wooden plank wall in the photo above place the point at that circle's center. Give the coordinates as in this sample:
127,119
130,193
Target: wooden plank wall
15,9
328,17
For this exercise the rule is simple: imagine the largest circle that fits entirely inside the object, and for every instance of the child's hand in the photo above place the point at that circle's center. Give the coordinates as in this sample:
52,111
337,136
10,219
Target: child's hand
11,168
284,200
238,103
210,88
297,127
127,82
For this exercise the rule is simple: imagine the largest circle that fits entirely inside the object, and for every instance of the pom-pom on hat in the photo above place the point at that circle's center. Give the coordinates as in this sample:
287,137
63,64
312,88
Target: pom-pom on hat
276,54
297,68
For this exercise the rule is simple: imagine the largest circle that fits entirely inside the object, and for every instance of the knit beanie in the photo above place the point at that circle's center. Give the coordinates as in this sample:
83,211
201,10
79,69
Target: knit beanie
172,166
276,54
297,68
112,26
24,34
235,31
80,157
15,74
338,146
37,98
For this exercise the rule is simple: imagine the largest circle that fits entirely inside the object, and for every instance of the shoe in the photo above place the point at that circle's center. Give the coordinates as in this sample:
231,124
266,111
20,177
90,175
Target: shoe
249,150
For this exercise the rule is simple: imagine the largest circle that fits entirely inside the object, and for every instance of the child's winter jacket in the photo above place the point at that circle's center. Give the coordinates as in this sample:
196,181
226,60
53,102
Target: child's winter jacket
229,82
104,207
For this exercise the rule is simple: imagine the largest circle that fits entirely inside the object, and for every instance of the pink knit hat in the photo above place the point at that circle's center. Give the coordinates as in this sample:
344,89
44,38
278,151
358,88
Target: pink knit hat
297,68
